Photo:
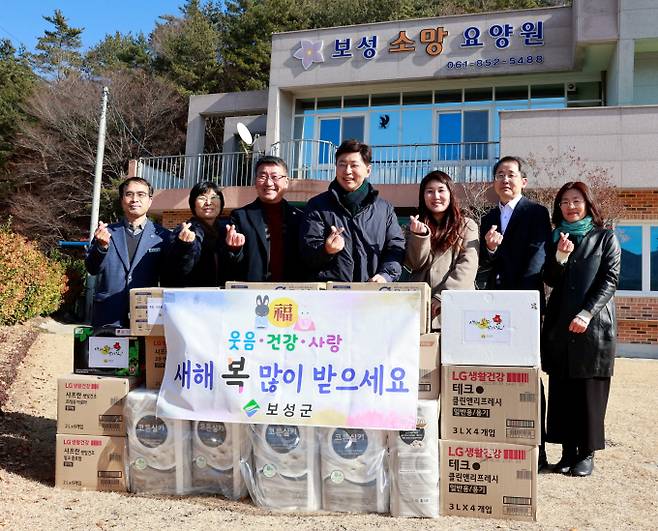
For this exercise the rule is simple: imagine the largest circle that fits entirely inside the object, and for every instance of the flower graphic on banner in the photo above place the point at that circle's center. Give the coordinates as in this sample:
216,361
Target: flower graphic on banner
309,53
486,323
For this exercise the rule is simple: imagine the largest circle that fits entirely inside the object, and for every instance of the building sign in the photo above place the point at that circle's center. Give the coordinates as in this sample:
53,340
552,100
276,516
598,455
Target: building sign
511,42
292,357
430,41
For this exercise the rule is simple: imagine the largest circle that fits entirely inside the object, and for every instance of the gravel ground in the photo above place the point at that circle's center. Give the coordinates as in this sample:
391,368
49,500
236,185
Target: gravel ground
622,493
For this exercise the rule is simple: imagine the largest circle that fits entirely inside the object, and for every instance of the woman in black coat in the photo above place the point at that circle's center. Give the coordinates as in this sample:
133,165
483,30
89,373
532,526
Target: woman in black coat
579,332
196,256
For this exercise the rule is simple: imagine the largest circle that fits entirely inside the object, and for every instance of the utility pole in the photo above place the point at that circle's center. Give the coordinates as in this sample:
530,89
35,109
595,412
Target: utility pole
96,195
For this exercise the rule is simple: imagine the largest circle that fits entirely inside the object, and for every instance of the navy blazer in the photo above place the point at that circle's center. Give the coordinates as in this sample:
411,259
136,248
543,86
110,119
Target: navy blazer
116,275
518,262
251,262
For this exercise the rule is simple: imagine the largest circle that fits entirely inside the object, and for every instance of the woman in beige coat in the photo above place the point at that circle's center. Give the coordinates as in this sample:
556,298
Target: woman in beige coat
442,244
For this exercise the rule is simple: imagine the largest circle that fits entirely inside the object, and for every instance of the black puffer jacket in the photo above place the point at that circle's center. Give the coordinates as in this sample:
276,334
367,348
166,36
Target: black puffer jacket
586,282
374,243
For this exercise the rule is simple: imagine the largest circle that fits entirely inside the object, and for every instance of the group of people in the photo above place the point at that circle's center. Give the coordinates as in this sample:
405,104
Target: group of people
349,233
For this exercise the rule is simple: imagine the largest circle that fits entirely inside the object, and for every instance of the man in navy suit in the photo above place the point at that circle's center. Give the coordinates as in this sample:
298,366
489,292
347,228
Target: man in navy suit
125,255
261,238
512,239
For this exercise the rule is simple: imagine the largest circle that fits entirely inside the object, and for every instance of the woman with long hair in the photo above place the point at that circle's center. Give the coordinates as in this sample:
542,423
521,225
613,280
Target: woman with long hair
579,332
442,244
196,256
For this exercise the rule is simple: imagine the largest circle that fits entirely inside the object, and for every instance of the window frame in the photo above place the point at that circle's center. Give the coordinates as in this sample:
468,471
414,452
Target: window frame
646,258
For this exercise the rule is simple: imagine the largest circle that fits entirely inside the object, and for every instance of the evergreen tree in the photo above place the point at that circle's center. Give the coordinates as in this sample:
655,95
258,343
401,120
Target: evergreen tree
58,49
16,82
118,51
186,50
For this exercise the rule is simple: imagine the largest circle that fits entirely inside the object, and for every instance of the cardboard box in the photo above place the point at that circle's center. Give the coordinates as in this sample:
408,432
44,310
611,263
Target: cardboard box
233,284
490,404
110,354
91,462
156,357
146,311
488,480
490,328
421,287
429,366
92,405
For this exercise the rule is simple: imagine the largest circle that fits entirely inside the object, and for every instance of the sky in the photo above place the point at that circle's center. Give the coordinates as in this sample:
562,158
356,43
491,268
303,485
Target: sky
22,21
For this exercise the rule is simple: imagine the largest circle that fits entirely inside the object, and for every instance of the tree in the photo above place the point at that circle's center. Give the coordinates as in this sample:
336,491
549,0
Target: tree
186,51
558,168
51,178
118,51
16,82
59,49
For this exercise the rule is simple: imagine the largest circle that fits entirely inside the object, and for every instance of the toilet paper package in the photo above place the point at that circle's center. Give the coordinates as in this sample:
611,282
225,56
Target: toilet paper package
159,448
283,472
217,449
414,465
354,470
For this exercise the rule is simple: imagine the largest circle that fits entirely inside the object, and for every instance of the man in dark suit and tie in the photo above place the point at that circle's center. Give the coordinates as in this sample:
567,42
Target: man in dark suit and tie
125,255
512,239
261,238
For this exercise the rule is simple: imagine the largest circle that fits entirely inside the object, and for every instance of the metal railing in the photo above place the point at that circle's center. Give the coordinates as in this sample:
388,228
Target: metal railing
315,159
408,164
307,159
183,171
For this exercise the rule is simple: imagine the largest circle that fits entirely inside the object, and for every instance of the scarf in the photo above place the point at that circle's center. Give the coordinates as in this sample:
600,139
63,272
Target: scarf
577,229
352,201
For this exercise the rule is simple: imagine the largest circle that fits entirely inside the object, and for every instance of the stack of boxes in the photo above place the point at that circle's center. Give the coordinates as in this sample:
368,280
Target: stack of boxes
490,409
91,430
486,361
146,321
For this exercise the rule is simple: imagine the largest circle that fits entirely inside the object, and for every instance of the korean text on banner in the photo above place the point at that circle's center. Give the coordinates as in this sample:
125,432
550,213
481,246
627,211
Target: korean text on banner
345,359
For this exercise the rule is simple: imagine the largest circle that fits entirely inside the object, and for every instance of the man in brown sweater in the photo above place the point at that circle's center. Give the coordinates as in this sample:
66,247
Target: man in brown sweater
261,237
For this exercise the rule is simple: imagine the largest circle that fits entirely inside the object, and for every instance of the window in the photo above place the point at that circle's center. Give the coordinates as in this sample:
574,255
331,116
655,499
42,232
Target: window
630,238
468,127
639,257
653,250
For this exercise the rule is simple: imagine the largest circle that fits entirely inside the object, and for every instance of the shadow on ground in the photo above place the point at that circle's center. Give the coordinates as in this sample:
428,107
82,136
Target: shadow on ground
27,446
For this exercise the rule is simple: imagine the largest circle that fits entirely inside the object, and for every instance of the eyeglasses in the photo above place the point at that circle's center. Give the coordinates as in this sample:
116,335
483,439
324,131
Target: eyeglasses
136,195
503,176
203,199
576,203
264,177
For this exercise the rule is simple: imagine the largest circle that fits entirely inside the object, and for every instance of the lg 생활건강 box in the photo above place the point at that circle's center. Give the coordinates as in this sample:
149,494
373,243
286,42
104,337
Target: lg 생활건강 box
429,366
90,462
488,480
491,404
92,405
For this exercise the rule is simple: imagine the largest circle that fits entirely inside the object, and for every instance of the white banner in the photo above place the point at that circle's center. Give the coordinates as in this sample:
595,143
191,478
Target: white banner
318,358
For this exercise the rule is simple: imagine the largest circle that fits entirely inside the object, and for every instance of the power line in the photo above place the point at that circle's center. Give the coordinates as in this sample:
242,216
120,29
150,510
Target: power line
123,122
18,41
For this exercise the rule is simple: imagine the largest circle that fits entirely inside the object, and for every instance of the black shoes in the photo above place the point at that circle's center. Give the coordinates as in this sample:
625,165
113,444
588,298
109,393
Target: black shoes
575,463
585,465
569,459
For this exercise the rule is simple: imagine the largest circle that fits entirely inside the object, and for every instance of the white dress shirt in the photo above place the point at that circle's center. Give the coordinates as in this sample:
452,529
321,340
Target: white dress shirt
506,212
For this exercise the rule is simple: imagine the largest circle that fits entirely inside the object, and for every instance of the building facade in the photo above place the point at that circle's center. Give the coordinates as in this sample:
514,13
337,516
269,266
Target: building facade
555,85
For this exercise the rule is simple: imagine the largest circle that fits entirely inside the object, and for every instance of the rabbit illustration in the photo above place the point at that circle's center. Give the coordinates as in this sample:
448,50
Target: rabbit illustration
262,309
